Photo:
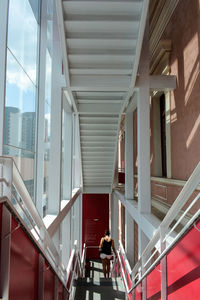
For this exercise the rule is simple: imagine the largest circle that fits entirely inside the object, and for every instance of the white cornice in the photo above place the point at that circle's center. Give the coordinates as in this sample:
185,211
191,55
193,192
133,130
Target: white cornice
164,17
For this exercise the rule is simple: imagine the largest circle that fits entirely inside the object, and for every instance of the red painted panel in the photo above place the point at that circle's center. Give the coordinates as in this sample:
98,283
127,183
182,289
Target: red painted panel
60,291
121,177
154,284
48,282
183,267
95,220
0,225
23,266
138,292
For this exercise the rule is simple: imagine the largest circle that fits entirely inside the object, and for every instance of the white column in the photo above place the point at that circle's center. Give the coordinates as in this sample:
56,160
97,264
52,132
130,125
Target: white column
3,40
56,132
143,139
66,239
41,111
129,238
143,240
168,133
68,155
114,220
143,134
129,186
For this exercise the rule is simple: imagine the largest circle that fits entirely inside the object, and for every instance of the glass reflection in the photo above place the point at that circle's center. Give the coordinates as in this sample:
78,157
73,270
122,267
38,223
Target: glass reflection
22,40
21,90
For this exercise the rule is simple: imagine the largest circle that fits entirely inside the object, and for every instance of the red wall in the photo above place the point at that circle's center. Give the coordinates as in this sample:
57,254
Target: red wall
95,220
24,263
183,268
0,225
183,271
138,292
154,284
23,266
49,279
60,291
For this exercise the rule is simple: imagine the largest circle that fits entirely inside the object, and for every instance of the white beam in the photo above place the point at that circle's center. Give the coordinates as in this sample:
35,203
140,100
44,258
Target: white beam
114,220
41,112
96,189
129,238
129,177
56,126
147,222
62,214
99,83
137,53
143,129
70,98
98,108
60,20
66,104
159,82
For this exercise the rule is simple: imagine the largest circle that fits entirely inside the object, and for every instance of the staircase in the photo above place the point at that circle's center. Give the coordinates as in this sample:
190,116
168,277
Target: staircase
94,286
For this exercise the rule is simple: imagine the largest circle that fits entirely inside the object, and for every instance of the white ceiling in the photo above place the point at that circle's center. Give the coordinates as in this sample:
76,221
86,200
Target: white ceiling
101,43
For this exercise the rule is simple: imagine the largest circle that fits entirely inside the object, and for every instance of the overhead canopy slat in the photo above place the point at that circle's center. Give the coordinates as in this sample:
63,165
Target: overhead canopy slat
102,40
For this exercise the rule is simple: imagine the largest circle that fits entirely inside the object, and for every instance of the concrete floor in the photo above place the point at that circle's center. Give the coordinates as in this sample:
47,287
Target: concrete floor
95,287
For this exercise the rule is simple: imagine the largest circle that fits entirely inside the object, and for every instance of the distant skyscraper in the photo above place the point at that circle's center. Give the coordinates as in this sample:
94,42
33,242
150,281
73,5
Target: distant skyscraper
28,131
11,128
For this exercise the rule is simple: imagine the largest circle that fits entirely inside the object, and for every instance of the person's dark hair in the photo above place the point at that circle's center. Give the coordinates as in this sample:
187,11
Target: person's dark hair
107,232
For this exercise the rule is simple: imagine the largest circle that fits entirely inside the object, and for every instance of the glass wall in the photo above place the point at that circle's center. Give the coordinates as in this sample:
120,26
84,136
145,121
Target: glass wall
47,117
21,86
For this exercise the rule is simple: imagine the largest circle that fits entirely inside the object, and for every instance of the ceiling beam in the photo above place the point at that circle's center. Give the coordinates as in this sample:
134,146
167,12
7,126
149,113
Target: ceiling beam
93,108
159,82
100,83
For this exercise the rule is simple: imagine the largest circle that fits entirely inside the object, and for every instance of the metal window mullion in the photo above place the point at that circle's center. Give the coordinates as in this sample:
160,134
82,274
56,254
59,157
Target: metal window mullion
56,113
41,110
3,55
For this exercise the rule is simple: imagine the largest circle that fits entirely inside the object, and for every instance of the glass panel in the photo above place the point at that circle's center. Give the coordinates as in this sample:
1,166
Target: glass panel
22,39
64,156
21,91
20,107
25,163
47,133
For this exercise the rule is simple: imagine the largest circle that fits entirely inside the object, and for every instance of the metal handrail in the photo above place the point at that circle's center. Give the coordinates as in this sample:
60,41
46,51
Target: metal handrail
10,176
72,271
164,235
83,260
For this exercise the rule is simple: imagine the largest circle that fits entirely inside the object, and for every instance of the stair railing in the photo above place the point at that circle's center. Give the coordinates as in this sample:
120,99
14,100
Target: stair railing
15,194
164,238
74,268
83,260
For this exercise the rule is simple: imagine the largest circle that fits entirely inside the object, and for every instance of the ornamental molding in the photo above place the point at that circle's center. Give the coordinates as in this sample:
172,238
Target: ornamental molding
160,20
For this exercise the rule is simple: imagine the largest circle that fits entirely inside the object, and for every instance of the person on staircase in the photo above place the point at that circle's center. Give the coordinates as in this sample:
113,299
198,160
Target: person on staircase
106,246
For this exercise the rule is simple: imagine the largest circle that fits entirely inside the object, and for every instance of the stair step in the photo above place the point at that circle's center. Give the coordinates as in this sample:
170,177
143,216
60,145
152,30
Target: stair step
96,287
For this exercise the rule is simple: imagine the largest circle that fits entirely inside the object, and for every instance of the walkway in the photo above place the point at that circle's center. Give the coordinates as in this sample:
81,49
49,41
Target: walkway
95,287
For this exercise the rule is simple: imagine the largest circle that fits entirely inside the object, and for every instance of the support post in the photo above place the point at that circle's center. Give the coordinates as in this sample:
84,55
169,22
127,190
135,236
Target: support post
40,277
129,186
5,253
41,110
114,206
